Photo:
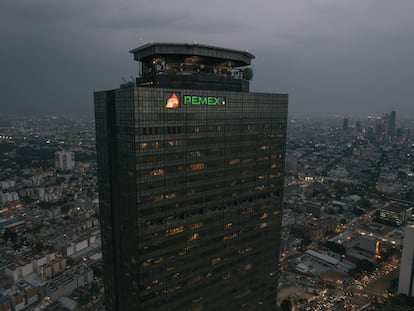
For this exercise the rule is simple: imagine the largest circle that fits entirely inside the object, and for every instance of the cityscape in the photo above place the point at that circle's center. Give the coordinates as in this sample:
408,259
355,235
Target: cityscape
348,200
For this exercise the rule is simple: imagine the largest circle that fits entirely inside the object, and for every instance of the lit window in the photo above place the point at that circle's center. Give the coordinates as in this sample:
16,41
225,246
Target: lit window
247,267
263,225
197,166
231,236
276,165
158,198
170,195
143,145
146,263
228,226
196,225
173,231
195,279
193,237
246,250
156,172
173,143
215,261
264,215
234,161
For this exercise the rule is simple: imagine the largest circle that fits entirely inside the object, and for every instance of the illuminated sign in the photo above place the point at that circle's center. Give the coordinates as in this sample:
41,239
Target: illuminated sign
172,102
203,100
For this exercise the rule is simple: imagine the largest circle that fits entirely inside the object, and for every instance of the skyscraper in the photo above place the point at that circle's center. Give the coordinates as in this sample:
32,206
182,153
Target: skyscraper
392,123
64,160
190,171
345,124
406,280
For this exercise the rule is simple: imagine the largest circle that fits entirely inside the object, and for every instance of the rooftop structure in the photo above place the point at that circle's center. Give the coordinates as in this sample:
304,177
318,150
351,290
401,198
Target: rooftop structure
193,66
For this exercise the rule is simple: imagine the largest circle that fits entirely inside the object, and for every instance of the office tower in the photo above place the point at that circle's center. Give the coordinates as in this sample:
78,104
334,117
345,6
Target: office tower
358,126
392,123
406,281
190,172
345,124
64,160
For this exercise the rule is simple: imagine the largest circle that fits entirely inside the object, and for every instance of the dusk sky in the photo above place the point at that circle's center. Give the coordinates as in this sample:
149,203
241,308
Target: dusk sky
345,57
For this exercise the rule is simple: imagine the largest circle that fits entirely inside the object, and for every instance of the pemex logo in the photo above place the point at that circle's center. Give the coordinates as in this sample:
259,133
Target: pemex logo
172,102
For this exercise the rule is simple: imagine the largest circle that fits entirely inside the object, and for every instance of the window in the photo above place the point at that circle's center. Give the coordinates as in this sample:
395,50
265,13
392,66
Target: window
193,237
173,231
156,172
196,225
234,161
196,166
216,261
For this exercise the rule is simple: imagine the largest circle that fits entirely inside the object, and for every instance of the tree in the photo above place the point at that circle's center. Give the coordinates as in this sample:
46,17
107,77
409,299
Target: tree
286,305
10,235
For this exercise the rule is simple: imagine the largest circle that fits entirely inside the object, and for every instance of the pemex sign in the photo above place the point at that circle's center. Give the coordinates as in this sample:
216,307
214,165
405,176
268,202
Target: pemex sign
173,101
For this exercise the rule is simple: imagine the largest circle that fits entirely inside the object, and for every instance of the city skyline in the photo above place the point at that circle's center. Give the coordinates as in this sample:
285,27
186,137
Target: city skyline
348,58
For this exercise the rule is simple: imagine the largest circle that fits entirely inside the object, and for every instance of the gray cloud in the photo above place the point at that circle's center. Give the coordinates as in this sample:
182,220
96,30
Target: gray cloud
332,57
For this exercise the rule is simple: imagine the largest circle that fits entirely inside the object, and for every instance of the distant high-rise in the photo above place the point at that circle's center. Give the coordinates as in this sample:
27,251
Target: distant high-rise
190,171
392,123
345,124
64,160
358,126
406,280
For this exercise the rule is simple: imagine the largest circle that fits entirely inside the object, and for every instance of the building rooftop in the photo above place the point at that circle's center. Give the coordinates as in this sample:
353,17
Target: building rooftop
240,58
193,66
397,208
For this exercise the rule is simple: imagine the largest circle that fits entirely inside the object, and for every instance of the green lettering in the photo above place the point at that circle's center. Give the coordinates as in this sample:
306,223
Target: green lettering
203,100
213,101
195,100
187,99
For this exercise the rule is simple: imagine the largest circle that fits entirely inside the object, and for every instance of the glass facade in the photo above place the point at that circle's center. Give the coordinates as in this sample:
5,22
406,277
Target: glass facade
190,198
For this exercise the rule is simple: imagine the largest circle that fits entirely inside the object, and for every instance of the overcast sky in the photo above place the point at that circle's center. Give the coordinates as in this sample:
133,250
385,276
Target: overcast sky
344,57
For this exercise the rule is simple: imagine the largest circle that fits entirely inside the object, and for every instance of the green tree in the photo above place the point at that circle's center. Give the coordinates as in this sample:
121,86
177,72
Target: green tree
10,235
286,305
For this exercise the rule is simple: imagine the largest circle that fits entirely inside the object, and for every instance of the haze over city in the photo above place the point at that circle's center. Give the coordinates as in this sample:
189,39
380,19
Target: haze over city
349,58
